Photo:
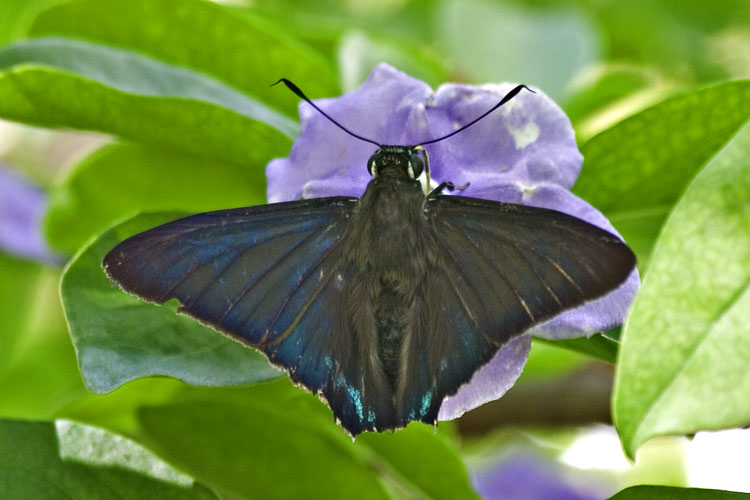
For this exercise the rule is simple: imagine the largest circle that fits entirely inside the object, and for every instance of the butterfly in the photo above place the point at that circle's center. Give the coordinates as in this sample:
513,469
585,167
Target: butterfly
382,305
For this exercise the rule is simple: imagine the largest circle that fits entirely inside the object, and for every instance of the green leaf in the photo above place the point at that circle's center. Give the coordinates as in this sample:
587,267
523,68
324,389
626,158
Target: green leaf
247,52
121,180
17,296
608,93
116,410
252,438
359,52
18,16
265,441
605,86
416,462
635,171
65,460
69,83
119,338
597,346
550,360
672,493
685,346
423,459
38,372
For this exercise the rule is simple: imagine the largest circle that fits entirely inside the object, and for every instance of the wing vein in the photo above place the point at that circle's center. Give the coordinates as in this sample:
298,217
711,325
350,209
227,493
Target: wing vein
515,244
173,234
458,230
229,264
298,317
262,275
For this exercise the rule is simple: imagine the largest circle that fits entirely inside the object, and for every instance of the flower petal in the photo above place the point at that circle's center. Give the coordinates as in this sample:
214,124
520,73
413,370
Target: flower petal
524,475
491,381
22,207
528,140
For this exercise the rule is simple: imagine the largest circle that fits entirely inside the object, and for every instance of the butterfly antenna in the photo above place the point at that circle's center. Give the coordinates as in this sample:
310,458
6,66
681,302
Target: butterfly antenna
510,95
291,86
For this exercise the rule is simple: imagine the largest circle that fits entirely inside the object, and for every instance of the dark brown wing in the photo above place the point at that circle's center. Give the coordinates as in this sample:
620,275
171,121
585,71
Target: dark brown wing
504,268
273,277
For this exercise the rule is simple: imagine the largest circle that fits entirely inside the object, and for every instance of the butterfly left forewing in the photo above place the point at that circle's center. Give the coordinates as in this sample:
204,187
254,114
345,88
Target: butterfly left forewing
242,271
274,277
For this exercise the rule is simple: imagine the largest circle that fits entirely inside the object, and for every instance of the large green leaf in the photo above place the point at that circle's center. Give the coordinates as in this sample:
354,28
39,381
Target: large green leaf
20,280
119,338
38,373
268,441
66,460
683,360
672,493
252,440
252,434
121,180
247,52
635,171
58,82
18,16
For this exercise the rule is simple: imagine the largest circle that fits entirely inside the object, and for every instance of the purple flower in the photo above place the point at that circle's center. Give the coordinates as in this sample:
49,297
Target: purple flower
525,152
525,476
22,207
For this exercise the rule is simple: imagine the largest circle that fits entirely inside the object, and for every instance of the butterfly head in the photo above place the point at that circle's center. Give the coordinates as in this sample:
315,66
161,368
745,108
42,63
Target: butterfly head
396,160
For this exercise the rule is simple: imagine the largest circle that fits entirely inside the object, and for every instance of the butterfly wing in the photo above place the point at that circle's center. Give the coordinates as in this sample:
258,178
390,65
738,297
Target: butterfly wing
272,277
503,268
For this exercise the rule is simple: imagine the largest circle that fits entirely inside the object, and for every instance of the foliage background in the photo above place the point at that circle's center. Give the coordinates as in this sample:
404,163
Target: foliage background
176,94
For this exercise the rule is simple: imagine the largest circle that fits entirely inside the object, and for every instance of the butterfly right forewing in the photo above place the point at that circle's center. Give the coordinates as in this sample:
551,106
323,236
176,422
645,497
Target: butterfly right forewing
501,269
537,262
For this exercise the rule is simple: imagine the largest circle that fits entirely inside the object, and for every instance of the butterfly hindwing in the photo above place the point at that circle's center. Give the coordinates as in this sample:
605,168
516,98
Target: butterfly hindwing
325,349
445,345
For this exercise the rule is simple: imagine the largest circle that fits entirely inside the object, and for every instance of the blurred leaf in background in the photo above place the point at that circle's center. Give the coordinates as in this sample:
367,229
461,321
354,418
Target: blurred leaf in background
79,461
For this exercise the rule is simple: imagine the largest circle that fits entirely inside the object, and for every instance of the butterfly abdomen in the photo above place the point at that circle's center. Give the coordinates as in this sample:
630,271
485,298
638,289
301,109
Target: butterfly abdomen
390,327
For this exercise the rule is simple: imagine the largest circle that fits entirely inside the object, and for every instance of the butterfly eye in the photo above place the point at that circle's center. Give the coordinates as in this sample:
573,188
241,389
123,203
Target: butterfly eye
416,165
372,165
